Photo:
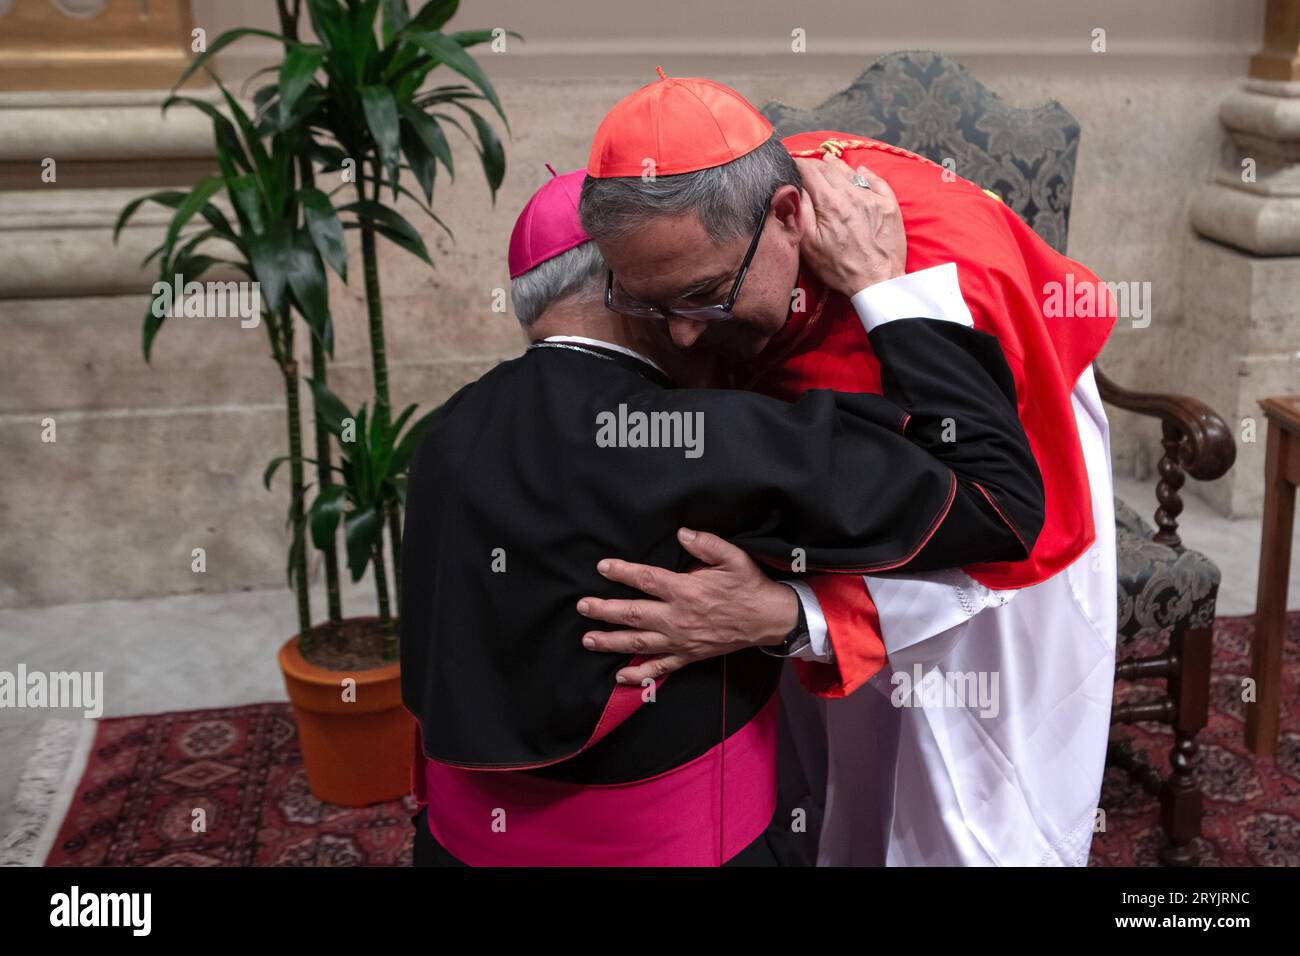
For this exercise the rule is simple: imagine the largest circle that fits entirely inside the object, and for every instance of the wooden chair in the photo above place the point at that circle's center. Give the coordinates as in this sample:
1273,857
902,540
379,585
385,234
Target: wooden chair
929,104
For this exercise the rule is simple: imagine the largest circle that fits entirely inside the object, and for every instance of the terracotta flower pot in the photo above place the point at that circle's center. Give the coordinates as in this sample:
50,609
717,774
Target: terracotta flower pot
357,751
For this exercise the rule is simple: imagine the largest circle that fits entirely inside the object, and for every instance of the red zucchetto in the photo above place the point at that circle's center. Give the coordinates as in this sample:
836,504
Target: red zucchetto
676,125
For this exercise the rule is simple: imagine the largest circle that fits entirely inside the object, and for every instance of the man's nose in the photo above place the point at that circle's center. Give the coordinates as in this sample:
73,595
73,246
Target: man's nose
685,332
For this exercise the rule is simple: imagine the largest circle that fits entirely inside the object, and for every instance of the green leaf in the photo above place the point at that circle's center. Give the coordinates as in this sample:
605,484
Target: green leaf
396,429
423,165
197,198
223,41
381,118
447,117
409,72
327,22
171,198
362,45
330,157
221,225
265,94
447,51
406,447
247,200
430,133
326,230
396,16
330,412
306,277
390,224
154,254
181,252
228,144
361,531
492,155
153,320
414,246
363,15
305,111
325,513
361,480
194,266
190,269
433,15
381,452
468,38
271,469
446,94
420,204
269,255
252,141
300,65
401,61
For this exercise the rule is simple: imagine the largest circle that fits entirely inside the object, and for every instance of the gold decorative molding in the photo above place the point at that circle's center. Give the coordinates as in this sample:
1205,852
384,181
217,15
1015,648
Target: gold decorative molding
93,44
1280,57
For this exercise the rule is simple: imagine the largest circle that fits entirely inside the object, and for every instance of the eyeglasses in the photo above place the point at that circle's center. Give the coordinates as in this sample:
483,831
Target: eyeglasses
707,313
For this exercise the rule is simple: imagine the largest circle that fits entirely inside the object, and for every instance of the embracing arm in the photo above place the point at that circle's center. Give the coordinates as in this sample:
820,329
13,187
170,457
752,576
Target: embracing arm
993,496
847,611
936,473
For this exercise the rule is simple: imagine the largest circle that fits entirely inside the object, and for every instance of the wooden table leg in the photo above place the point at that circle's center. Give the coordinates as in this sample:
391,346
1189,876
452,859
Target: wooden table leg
1270,603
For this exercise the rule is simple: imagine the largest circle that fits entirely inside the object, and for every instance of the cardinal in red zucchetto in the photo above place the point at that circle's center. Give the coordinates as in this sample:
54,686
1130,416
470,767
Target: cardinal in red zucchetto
962,713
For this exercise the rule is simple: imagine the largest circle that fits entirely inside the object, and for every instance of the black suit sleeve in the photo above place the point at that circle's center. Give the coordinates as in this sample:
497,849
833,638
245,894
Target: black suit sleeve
935,369
936,472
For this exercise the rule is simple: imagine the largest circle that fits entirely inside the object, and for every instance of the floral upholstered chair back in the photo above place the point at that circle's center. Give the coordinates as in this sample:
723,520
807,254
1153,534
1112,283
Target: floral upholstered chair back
929,104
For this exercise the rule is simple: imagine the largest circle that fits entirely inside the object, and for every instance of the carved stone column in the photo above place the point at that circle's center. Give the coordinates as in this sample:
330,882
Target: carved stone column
81,133
1242,270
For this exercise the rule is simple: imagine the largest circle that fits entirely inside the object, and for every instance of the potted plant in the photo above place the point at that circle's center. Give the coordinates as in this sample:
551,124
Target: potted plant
352,108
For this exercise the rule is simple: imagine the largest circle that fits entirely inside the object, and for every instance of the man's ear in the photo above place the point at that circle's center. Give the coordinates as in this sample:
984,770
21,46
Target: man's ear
788,209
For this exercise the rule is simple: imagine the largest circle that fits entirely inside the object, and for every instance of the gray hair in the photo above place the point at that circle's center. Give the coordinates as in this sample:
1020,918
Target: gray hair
578,273
729,199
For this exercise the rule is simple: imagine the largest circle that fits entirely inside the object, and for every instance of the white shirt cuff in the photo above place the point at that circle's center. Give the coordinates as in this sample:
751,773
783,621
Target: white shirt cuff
819,646
932,293
921,615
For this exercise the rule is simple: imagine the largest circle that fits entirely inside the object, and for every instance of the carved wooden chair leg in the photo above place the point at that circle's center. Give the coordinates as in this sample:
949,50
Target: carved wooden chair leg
1180,795
1120,753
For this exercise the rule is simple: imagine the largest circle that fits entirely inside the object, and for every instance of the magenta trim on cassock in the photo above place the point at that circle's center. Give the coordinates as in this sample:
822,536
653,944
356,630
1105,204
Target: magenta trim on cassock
495,818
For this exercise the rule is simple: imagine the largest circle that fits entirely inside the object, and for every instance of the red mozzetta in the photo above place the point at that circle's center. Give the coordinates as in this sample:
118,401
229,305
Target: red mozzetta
1007,274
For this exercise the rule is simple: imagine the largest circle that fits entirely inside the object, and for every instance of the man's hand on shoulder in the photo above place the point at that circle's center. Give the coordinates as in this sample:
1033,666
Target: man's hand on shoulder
853,235
725,605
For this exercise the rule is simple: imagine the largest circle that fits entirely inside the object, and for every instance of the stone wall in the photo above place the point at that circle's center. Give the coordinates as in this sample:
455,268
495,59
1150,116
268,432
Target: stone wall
151,462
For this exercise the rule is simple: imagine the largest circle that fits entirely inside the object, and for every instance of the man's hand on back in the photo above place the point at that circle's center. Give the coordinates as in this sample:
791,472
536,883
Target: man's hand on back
854,236
725,605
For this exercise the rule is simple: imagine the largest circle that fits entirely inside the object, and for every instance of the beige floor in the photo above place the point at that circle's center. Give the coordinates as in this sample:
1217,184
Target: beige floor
219,650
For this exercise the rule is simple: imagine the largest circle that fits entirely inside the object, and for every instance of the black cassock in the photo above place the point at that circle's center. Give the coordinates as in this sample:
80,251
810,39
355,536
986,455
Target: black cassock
527,477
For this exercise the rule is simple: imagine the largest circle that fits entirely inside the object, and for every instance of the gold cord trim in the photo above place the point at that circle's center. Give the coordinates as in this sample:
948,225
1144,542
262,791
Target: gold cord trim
837,147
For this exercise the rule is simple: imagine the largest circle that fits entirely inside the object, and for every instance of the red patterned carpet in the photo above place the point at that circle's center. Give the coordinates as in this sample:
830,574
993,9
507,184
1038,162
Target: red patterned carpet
1251,804
146,775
